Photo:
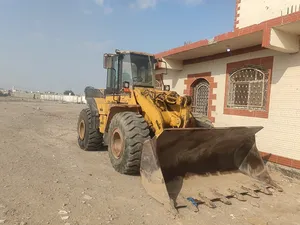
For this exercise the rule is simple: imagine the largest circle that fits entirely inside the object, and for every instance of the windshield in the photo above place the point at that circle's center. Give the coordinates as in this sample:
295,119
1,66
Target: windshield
138,70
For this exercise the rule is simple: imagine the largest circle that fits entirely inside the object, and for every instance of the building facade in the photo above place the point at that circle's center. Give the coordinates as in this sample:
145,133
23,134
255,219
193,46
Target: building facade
247,77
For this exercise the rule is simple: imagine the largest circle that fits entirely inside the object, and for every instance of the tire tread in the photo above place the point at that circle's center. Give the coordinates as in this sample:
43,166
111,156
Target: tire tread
94,138
136,131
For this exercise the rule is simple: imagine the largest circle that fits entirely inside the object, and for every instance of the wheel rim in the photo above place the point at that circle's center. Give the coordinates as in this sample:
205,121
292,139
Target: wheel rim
117,144
81,129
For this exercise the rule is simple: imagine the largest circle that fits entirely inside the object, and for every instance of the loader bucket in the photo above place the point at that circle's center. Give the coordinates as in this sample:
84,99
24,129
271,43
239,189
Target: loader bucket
191,166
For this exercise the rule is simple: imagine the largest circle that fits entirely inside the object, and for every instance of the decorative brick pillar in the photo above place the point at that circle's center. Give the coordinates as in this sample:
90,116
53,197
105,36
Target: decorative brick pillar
237,14
192,80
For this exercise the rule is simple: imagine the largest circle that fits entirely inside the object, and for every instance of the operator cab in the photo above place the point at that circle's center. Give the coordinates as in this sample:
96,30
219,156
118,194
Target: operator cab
127,69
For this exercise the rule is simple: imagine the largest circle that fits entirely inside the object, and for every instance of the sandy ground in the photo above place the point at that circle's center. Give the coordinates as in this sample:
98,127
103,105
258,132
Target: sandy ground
46,179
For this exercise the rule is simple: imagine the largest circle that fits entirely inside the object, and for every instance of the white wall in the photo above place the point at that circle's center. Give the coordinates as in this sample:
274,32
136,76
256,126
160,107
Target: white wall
176,80
280,135
64,98
26,95
256,11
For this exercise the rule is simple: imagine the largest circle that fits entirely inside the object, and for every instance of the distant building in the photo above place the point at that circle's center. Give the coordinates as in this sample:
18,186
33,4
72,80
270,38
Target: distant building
247,77
50,92
3,92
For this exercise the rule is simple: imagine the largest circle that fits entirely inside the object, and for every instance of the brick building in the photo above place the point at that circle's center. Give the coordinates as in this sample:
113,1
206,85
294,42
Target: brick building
250,76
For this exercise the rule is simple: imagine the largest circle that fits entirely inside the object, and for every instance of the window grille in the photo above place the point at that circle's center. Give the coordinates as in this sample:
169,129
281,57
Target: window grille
248,89
200,97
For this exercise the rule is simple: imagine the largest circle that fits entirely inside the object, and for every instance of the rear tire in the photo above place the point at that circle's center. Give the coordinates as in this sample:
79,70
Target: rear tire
89,138
203,121
126,135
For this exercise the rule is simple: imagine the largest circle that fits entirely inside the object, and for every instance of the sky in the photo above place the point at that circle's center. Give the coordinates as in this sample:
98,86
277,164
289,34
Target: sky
57,45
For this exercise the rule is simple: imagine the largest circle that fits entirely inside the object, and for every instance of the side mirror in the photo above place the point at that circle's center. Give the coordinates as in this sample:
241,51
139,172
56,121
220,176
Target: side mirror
161,61
107,61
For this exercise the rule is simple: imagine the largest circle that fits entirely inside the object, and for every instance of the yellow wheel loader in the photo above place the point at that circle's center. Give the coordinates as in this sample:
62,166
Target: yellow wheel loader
182,158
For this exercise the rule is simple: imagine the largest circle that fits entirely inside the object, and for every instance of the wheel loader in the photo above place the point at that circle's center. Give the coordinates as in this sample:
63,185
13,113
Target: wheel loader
183,160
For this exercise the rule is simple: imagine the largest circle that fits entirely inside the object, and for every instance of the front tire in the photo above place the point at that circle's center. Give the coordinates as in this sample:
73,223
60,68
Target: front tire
89,138
126,135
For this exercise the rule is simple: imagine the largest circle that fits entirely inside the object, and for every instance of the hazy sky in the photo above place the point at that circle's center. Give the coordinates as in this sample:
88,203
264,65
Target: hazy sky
59,44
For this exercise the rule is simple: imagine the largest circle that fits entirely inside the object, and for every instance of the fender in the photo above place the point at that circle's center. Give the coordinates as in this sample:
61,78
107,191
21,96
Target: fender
117,108
113,110
90,94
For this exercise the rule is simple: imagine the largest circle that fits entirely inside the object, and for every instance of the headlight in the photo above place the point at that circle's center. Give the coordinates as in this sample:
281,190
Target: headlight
125,84
166,87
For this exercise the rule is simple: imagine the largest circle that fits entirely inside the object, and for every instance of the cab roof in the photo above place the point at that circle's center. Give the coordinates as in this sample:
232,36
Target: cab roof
134,52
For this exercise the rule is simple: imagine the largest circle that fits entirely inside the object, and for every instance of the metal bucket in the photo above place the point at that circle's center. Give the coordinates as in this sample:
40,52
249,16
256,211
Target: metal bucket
191,166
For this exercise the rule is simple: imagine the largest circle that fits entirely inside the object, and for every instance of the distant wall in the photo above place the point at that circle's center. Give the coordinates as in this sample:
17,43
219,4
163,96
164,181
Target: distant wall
26,95
64,98
49,97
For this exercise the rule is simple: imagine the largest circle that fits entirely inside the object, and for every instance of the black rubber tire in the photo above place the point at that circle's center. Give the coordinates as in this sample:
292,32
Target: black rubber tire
93,139
203,121
134,130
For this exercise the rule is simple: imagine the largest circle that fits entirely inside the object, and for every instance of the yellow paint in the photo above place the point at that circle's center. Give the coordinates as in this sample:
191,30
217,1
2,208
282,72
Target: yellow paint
160,109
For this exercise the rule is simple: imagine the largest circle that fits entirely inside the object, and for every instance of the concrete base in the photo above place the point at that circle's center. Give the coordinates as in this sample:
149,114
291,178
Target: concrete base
286,171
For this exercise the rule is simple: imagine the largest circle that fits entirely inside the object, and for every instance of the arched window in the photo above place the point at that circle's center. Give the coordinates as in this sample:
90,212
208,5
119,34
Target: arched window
200,96
248,89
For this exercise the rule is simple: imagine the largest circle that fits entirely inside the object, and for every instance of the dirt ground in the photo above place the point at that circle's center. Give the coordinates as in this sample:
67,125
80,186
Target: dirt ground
46,179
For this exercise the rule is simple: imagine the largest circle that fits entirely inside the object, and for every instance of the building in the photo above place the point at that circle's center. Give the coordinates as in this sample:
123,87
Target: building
247,77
